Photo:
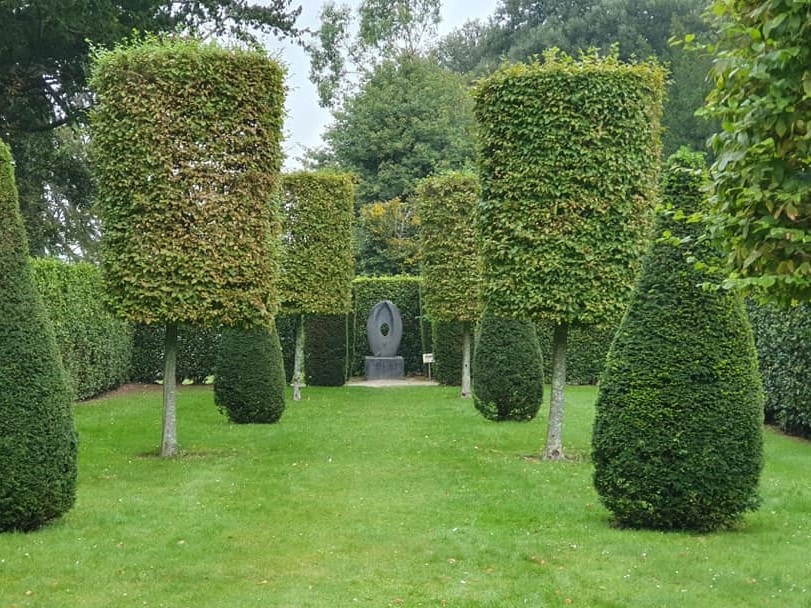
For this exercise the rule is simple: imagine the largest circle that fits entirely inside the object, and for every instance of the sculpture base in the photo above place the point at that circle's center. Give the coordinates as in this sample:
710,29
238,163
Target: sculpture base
385,368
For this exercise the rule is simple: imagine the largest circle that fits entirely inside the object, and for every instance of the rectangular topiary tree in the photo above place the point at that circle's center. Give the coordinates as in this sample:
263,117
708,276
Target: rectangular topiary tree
186,149
569,163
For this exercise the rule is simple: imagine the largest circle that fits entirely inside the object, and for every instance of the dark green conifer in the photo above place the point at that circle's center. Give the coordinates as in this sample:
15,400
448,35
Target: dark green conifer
677,440
249,384
507,369
37,436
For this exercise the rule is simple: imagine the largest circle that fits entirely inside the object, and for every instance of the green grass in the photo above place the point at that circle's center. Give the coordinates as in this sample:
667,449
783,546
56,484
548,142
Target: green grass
382,497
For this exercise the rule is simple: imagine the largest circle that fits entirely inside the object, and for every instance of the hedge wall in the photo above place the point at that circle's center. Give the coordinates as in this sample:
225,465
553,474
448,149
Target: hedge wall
196,353
404,291
325,352
96,347
783,340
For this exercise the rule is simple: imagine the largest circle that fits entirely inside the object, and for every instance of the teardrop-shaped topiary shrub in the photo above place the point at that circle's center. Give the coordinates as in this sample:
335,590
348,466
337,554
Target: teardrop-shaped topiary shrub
249,384
37,436
507,369
677,440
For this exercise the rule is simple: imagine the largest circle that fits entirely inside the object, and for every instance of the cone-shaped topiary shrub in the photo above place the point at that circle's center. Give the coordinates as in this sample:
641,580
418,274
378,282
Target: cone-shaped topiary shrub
677,440
507,369
249,385
37,436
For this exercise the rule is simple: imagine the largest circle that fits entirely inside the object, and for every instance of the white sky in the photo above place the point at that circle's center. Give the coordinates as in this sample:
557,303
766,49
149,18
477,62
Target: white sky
306,120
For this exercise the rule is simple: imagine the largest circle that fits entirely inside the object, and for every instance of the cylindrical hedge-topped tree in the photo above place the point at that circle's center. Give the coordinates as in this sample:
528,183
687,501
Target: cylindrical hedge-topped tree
449,253
569,164
186,143
37,437
317,258
677,440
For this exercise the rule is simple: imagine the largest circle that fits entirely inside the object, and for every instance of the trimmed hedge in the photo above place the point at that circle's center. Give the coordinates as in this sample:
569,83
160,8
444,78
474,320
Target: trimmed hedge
783,340
38,443
507,369
325,350
677,440
404,291
96,347
586,349
249,386
196,353
447,348
286,325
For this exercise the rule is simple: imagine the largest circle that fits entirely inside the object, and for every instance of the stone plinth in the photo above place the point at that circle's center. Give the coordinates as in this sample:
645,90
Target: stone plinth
385,368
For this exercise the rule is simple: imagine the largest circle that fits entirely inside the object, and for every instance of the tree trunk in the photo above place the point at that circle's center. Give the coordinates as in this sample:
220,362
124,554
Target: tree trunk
465,359
169,439
298,364
554,437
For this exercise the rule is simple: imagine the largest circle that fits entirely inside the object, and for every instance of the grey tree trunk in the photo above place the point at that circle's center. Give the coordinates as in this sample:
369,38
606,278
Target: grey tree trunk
298,363
466,359
169,438
554,437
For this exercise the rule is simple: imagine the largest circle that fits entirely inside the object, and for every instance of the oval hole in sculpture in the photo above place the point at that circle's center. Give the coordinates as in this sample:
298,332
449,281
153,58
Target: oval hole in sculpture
384,329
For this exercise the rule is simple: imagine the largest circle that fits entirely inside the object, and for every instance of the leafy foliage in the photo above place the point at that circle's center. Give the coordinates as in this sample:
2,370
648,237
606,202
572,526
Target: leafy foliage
184,181
38,443
783,340
326,349
447,344
317,259
569,162
677,440
761,179
449,251
586,349
507,369
387,238
96,347
249,386
404,291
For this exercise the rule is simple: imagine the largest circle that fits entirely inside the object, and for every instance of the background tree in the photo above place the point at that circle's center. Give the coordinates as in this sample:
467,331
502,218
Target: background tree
507,369
521,29
678,434
184,187
568,159
318,263
249,385
37,438
449,254
761,178
44,59
386,236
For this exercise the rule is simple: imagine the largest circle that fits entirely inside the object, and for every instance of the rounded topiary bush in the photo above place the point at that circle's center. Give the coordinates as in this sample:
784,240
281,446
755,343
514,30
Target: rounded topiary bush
37,436
507,369
249,385
677,440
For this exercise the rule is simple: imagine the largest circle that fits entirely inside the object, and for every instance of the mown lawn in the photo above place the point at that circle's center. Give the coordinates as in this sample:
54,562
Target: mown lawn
382,497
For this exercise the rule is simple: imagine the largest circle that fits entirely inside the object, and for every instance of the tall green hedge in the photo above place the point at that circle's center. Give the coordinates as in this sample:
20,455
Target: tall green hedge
446,340
783,340
38,443
186,148
677,440
326,349
286,326
96,347
249,386
507,369
404,291
586,350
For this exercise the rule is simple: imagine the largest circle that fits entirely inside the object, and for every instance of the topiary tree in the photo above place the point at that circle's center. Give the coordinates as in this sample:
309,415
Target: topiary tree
449,253
37,437
317,262
677,440
569,163
249,385
507,369
186,148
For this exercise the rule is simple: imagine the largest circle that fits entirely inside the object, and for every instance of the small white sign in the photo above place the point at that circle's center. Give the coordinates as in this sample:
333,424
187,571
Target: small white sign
428,357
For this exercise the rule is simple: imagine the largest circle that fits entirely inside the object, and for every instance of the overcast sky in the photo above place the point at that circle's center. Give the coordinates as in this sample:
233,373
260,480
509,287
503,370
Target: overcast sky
306,120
